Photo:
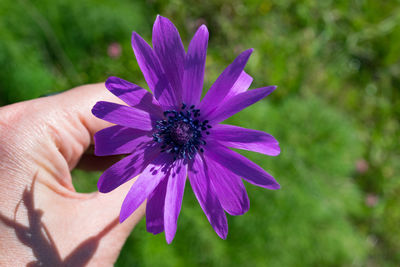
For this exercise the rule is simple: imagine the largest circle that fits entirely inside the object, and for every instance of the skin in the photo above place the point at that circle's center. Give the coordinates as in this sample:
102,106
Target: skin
43,220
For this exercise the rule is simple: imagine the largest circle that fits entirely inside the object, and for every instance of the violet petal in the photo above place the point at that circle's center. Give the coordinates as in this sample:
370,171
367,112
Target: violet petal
224,83
248,139
241,166
173,199
123,115
155,208
229,188
202,188
241,85
238,102
195,62
145,184
170,51
134,95
153,72
118,139
127,168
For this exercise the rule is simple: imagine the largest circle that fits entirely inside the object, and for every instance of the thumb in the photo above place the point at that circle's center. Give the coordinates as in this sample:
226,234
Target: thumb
61,128
75,125
49,134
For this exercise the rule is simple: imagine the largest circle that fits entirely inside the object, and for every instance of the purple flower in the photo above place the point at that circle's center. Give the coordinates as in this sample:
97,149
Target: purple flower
170,134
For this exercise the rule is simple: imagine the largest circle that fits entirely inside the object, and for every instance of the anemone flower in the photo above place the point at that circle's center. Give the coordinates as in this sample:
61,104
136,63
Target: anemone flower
171,135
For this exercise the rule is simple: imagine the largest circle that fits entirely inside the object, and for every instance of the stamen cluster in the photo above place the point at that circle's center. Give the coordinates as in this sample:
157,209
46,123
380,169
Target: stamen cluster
180,133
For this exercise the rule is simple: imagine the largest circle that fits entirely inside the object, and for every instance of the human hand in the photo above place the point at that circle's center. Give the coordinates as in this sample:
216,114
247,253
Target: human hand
43,220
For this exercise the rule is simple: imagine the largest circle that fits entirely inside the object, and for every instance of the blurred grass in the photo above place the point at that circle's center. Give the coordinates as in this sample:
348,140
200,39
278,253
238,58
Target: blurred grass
336,114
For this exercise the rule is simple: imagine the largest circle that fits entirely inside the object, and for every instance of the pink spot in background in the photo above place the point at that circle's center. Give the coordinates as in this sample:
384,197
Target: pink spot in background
371,200
114,50
362,166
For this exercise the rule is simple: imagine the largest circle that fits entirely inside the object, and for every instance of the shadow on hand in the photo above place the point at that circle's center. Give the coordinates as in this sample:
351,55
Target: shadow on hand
38,238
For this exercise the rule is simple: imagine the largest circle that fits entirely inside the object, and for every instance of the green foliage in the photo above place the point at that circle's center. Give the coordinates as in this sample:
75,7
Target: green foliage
338,69
48,46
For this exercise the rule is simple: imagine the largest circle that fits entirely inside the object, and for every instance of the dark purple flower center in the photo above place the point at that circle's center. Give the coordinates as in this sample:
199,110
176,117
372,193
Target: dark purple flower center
181,133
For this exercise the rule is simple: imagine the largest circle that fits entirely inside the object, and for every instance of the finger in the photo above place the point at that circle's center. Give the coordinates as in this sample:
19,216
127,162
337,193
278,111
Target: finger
75,124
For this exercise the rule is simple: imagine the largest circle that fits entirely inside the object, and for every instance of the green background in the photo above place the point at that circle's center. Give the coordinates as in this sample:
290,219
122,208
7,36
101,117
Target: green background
335,113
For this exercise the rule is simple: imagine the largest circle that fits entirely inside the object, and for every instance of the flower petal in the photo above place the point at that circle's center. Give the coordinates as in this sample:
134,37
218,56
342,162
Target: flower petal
155,208
118,139
145,184
195,62
238,102
224,83
153,72
248,139
229,188
202,188
134,95
123,115
241,85
173,199
240,165
170,52
127,168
